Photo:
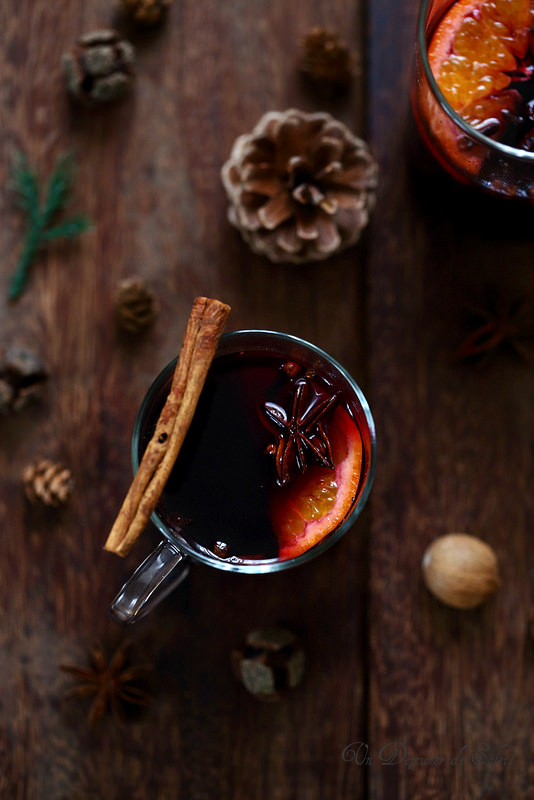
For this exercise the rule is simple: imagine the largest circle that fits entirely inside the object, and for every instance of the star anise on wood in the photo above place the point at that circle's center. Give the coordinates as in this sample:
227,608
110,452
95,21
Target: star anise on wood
501,323
301,433
112,683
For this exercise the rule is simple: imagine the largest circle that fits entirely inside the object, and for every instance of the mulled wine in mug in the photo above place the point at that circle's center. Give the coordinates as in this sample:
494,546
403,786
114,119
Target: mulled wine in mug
276,466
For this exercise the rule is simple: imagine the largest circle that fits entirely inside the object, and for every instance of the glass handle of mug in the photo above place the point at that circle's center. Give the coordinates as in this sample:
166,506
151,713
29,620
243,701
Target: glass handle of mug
160,573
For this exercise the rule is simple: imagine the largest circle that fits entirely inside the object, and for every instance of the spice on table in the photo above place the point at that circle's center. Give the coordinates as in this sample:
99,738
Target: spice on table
47,482
271,662
460,570
113,684
325,58
146,12
22,378
135,305
42,226
204,329
99,68
300,186
503,323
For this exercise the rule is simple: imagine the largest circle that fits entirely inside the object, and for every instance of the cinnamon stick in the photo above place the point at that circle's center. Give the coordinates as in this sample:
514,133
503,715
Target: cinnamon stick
204,329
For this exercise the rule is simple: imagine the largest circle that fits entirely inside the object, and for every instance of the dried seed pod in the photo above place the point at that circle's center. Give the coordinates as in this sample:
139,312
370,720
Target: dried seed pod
22,378
270,663
146,12
100,68
325,58
460,570
135,305
47,482
300,186
114,683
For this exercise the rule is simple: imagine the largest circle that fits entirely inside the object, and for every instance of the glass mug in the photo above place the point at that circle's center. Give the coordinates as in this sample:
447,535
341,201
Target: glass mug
168,564
462,150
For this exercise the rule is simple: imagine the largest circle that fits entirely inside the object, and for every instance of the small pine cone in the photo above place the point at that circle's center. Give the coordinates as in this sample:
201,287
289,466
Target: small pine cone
146,12
300,186
47,483
271,662
325,58
136,305
100,68
22,378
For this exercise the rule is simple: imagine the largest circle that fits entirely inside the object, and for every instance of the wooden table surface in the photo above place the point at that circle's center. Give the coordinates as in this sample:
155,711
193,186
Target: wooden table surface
387,663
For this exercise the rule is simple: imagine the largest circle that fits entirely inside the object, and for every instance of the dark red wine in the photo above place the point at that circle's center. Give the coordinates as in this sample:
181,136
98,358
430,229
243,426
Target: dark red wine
220,493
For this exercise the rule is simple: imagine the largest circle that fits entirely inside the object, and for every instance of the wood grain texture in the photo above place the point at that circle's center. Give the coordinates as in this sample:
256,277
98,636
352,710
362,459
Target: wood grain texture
386,662
148,175
457,446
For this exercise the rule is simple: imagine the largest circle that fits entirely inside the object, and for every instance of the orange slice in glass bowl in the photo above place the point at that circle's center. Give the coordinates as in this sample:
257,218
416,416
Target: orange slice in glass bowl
478,53
317,501
475,47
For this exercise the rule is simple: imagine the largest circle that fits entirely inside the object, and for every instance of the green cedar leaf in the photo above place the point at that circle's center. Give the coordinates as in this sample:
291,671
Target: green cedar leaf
27,256
70,227
59,187
26,183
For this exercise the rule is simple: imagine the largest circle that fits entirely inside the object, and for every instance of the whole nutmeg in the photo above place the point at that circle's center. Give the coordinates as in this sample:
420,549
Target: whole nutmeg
460,570
99,68
270,663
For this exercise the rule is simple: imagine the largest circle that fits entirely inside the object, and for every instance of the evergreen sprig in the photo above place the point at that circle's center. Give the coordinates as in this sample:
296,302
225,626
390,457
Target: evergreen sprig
41,215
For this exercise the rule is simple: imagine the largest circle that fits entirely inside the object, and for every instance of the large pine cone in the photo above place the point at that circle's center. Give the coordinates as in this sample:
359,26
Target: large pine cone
300,186
47,482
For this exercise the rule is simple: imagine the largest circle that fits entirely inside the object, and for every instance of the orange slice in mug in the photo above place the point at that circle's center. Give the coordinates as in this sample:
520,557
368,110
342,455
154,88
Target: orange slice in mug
317,501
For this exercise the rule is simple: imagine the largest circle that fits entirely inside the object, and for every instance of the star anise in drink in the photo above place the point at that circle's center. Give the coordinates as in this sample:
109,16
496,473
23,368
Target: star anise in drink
501,323
112,684
300,434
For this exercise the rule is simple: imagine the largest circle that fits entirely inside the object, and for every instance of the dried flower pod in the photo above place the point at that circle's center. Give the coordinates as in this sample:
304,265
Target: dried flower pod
460,570
271,662
47,482
114,683
325,58
22,378
500,322
135,305
146,12
300,186
100,68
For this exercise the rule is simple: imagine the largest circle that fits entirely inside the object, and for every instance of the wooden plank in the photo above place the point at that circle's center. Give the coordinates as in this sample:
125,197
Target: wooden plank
456,445
149,176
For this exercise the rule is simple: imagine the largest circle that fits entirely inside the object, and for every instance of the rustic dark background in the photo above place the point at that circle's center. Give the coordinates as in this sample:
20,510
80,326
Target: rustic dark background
386,662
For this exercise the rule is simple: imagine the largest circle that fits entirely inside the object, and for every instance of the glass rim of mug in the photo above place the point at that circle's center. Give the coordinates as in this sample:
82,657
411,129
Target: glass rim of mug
504,149
264,565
